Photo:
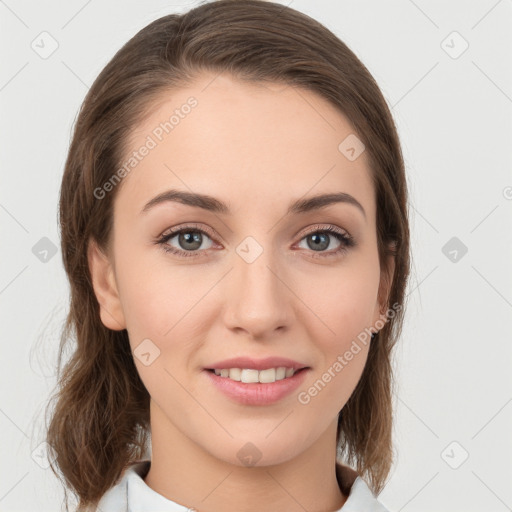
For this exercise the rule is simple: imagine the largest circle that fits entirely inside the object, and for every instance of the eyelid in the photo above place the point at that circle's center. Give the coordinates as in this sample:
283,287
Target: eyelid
322,227
344,237
191,226
302,233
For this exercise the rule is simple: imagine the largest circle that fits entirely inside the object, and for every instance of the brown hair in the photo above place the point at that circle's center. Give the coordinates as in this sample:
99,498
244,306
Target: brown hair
100,422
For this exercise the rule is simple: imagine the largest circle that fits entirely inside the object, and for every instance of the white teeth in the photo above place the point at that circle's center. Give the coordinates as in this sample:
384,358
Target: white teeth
250,376
234,374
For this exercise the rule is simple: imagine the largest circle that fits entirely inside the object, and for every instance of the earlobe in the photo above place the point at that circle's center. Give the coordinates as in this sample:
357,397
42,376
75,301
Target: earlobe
105,288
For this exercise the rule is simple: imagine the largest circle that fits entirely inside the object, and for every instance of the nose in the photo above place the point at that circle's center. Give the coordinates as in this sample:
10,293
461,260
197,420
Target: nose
258,299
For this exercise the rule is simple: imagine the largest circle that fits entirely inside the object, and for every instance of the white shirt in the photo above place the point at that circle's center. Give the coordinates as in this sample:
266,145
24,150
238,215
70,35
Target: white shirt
132,494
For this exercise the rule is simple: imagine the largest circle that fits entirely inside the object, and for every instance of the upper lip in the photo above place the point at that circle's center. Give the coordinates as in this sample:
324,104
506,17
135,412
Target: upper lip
257,364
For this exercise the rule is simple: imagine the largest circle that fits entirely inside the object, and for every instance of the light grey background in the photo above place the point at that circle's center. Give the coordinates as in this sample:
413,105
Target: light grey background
453,111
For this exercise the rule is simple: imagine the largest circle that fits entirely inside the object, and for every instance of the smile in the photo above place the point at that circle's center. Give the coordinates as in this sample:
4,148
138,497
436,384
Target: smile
255,392
251,376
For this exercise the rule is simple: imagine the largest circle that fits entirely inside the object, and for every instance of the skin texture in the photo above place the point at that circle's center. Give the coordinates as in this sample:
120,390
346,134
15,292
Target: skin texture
257,148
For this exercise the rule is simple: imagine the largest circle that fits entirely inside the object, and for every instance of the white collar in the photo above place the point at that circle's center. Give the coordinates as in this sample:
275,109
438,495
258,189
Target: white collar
132,494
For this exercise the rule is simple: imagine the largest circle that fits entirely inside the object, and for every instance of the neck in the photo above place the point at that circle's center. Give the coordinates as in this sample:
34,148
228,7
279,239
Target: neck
184,472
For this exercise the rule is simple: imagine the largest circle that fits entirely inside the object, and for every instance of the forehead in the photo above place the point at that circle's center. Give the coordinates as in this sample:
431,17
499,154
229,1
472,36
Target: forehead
243,142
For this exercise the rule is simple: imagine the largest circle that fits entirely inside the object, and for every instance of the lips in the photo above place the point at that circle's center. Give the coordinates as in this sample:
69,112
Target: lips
257,364
256,393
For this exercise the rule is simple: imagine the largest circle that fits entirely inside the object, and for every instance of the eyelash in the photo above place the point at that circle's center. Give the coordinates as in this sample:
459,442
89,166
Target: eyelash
347,241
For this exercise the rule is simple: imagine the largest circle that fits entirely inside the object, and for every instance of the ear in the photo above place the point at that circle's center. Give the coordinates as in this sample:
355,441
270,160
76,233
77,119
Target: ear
105,288
386,280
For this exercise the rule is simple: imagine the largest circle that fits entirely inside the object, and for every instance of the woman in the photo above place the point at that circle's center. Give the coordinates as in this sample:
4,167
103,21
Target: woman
234,227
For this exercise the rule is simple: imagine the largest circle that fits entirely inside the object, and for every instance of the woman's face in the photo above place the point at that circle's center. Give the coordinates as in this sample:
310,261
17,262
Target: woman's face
255,278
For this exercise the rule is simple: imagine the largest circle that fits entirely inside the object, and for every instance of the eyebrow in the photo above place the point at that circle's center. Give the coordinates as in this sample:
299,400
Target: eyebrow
212,204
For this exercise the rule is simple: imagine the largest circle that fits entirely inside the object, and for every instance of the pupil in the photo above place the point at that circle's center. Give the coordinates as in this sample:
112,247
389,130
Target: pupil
194,239
318,243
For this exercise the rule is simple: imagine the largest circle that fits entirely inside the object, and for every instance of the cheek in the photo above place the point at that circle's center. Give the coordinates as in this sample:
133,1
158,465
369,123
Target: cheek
161,305
340,312
341,303
157,299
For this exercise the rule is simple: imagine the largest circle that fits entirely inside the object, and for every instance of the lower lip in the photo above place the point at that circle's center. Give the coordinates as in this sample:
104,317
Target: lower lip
256,393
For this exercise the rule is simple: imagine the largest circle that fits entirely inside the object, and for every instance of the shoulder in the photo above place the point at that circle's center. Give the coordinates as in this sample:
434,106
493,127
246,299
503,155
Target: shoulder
360,497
